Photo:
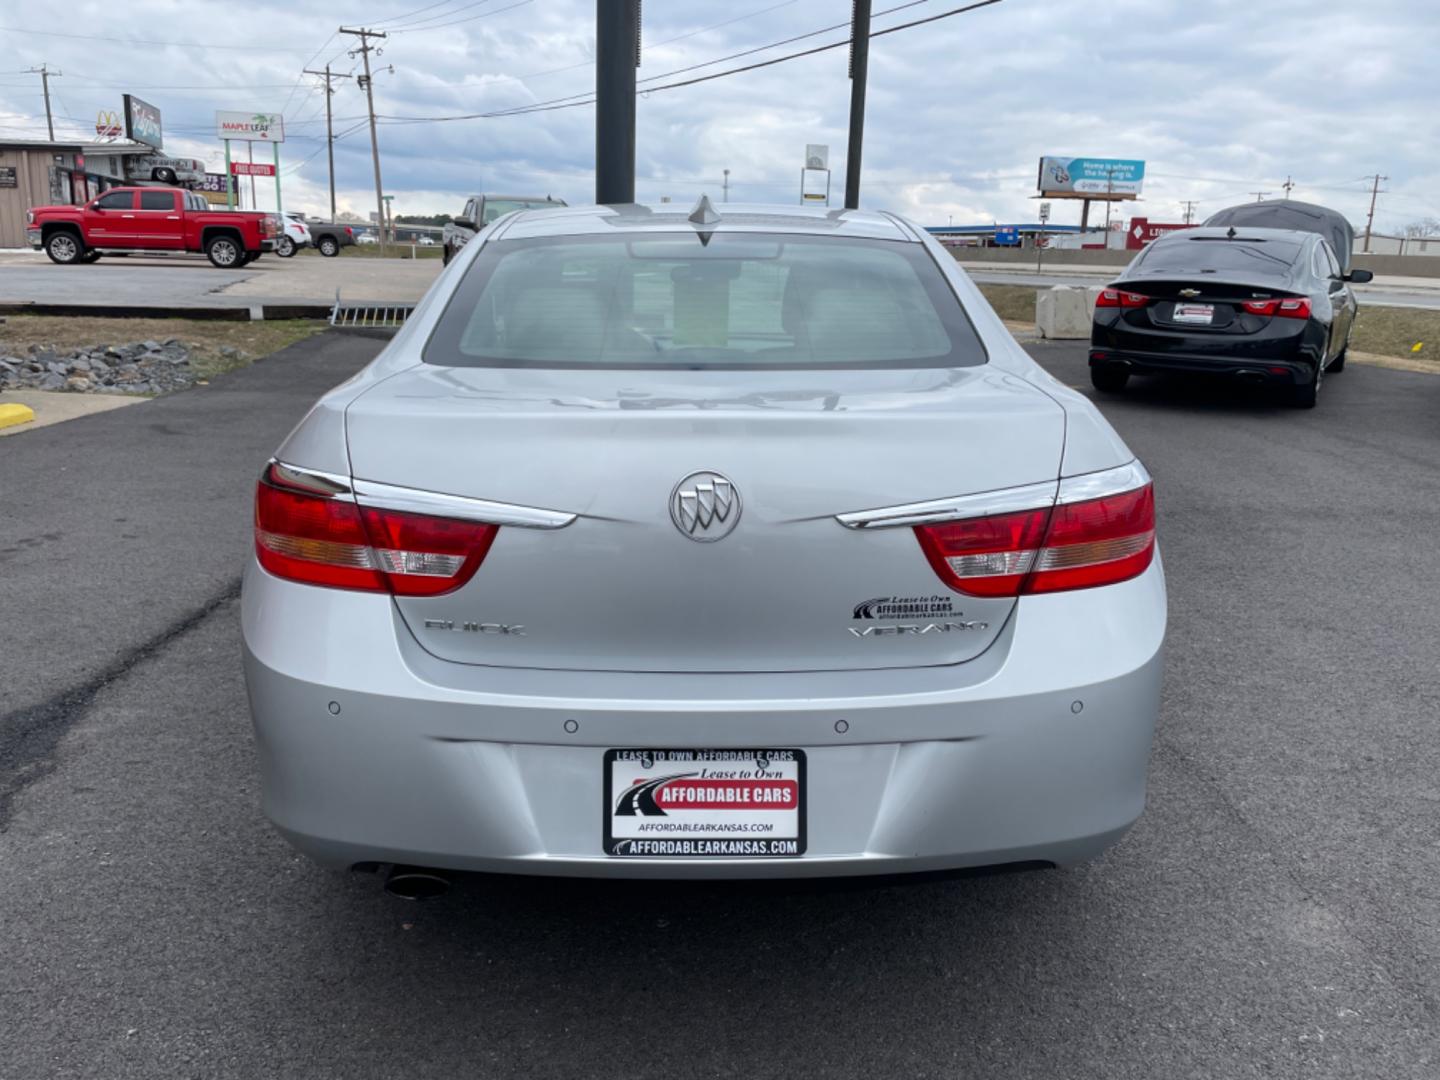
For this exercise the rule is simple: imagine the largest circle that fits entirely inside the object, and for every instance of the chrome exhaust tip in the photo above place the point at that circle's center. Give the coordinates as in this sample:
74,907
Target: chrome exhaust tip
416,883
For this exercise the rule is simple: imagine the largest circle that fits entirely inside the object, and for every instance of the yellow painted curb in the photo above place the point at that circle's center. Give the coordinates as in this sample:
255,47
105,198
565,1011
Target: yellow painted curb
12,414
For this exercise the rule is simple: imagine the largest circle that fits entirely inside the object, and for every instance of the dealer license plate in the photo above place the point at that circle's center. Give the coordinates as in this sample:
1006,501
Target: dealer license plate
704,804
1197,314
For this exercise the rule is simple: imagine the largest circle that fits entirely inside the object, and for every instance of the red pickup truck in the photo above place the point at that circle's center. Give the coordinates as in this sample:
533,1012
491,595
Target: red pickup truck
151,219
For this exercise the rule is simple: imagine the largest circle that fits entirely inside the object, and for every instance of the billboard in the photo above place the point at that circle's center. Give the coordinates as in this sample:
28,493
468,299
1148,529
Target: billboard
250,126
142,122
1091,177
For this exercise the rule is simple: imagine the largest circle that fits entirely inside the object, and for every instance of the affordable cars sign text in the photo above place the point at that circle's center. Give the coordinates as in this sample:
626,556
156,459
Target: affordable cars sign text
250,126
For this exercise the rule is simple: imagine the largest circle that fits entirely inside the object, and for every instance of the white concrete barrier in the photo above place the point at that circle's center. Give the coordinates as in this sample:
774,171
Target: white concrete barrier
1065,311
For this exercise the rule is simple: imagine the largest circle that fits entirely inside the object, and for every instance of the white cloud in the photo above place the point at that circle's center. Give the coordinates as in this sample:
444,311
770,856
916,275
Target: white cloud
1220,99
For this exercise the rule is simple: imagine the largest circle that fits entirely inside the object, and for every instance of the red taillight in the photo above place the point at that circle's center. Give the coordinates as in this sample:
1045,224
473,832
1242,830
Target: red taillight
349,231
1076,545
1121,299
1294,308
321,540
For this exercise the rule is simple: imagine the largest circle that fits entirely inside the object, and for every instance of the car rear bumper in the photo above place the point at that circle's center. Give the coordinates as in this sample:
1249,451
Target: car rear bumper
372,750
1152,363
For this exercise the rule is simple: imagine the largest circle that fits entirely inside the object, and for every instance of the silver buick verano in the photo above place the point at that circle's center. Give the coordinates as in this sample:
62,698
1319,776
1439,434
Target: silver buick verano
738,544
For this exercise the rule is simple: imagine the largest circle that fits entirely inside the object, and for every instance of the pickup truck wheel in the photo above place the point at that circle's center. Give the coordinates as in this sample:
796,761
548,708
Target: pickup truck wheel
64,248
285,248
328,246
224,252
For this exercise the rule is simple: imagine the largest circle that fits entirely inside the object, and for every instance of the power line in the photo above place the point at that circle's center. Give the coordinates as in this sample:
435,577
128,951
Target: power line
457,22
589,98
406,15
438,15
146,41
681,37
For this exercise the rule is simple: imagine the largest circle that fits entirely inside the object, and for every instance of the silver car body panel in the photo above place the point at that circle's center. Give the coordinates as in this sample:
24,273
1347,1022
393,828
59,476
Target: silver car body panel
1025,740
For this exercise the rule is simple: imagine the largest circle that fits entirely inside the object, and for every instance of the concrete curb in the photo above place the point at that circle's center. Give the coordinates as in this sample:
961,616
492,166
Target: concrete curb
251,313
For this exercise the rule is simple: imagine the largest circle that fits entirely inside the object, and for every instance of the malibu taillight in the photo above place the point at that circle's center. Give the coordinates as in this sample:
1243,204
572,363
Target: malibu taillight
1121,299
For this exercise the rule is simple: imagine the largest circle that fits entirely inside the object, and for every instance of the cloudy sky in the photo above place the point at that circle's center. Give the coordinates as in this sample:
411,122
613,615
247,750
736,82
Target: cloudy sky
1221,98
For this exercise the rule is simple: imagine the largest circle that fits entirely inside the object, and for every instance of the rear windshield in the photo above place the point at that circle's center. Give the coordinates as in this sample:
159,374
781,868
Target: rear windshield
495,208
1270,257
742,300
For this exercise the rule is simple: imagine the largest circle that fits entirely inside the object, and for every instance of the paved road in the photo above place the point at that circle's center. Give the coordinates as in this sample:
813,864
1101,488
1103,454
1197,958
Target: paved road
1377,295
190,280
1275,914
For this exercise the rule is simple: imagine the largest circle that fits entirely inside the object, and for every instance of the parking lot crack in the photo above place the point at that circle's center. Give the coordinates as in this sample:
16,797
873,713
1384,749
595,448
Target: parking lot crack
30,737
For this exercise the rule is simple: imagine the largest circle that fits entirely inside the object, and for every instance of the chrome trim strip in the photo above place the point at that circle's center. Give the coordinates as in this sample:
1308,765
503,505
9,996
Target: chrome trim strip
1097,485
329,485
390,497
984,504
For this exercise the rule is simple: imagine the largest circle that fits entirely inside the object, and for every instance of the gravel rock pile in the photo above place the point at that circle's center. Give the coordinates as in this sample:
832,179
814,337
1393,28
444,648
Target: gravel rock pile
145,367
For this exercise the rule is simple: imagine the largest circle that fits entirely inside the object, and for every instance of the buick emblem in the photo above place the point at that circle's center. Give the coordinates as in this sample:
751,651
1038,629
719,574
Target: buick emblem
705,506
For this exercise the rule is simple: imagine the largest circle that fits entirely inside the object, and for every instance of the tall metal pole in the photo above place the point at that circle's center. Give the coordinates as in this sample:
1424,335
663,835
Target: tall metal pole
859,71
44,72
364,49
617,55
1370,221
328,75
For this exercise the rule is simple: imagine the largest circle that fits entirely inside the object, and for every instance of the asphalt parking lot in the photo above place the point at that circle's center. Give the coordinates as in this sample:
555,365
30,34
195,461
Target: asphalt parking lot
1276,913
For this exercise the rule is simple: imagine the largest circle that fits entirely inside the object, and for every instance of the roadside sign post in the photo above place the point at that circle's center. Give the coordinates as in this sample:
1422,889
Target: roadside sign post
817,159
251,127
229,186
1040,241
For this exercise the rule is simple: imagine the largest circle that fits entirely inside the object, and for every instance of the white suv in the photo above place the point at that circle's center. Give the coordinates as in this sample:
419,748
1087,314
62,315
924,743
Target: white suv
297,235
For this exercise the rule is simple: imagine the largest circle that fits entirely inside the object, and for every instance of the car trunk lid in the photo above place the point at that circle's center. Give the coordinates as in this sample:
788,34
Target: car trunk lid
626,588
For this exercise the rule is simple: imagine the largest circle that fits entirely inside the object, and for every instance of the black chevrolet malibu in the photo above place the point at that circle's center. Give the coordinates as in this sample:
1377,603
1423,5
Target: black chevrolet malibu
1261,305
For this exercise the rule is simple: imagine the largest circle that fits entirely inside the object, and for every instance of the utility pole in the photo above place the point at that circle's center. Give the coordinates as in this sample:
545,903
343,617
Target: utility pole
1259,195
1288,185
364,49
327,75
1374,194
1189,205
44,72
859,72
725,187
617,55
